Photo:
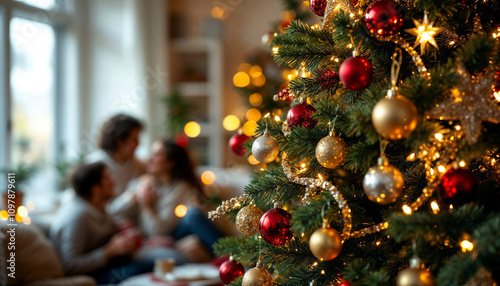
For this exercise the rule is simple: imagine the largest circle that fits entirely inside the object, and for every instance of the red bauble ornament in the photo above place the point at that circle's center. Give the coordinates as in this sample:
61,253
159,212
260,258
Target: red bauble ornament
318,7
284,94
345,283
458,186
275,226
384,17
356,73
230,270
300,115
237,142
496,87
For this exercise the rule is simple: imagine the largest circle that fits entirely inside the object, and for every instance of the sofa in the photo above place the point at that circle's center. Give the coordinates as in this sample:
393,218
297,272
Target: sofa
35,262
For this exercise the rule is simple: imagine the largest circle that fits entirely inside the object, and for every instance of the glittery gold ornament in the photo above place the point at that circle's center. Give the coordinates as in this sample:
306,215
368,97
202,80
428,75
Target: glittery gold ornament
265,149
416,275
471,104
331,151
425,33
394,117
383,183
257,276
247,220
325,243
332,9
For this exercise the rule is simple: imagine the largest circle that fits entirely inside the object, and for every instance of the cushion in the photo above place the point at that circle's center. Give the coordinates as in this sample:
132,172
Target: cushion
35,257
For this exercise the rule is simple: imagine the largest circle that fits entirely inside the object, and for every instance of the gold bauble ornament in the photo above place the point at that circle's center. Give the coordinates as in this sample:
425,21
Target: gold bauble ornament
257,276
265,149
394,117
416,275
331,151
383,183
247,220
325,243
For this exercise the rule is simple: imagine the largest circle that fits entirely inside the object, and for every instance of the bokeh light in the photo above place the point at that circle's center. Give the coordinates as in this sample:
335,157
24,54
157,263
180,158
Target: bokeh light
30,205
241,79
4,215
27,220
19,218
22,211
255,99
249,128
259,81
180,210
255,71
192,129
217,12
208,177
245,67
231,122
253,114
252,160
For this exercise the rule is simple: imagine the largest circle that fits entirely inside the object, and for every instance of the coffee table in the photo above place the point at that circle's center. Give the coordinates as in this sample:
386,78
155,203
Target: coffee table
205,273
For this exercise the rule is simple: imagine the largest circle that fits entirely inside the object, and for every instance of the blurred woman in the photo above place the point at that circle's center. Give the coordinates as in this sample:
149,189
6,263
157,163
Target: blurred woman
118,140
171,183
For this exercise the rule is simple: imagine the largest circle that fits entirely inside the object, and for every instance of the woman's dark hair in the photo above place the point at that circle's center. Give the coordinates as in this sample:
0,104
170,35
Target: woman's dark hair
183,168
85,176
117,128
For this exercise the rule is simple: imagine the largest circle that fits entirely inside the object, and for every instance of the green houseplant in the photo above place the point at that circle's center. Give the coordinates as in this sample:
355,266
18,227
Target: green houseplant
16,176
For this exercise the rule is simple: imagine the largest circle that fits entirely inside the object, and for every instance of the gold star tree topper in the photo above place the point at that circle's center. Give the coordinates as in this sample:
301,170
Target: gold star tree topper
425,33
471,104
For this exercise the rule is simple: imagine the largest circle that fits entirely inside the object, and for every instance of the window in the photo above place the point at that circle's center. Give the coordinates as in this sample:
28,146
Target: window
31,53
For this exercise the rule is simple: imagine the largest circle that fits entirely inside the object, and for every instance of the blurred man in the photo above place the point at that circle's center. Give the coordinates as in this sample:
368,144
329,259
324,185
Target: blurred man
85,237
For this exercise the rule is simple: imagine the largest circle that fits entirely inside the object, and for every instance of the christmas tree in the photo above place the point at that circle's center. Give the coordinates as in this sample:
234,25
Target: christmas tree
388,157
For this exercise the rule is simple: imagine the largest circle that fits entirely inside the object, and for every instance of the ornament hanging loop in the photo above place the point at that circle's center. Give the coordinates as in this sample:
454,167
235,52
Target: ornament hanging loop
331,127
397,59
355,50
325,221
383,145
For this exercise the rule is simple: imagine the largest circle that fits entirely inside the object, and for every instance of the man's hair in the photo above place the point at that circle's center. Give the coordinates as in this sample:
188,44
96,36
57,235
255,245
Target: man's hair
85,176
117,128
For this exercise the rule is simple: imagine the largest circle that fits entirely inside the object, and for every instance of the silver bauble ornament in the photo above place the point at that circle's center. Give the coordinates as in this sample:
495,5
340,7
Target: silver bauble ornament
331,151
265,149
383,183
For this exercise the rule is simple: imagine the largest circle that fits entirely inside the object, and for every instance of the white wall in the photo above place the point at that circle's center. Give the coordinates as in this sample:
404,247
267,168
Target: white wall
125,70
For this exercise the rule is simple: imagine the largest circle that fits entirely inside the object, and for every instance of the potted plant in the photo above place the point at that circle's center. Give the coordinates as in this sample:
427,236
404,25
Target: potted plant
63,167
16,177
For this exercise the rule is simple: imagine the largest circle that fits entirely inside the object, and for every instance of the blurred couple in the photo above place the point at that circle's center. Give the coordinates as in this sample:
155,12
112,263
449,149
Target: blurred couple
123,215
